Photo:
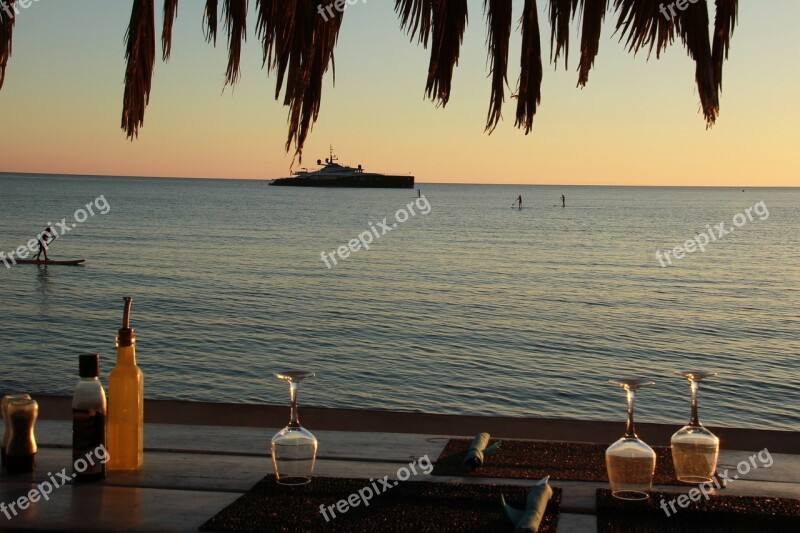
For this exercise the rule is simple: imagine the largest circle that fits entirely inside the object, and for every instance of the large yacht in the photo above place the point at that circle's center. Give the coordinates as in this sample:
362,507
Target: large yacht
332,174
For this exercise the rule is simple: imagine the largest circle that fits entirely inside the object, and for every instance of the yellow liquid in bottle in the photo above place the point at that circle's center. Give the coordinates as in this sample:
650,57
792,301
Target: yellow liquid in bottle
126,412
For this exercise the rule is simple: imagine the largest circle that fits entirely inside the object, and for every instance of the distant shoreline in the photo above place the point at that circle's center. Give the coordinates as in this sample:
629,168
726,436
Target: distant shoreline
720,187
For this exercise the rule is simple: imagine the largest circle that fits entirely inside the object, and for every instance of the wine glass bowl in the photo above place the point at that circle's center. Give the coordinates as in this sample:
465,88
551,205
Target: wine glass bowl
630,462
294,448
695,450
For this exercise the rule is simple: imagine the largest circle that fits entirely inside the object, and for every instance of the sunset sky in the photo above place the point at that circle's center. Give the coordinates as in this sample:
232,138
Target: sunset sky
636,123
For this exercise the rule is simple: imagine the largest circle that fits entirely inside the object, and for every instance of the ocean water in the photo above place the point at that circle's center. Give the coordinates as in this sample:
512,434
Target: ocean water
472,308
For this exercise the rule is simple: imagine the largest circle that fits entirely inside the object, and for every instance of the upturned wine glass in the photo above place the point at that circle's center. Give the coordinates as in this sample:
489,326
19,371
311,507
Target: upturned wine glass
294,448
695,449
630,462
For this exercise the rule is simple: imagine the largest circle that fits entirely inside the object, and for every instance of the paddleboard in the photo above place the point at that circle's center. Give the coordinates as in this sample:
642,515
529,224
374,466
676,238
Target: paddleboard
50,262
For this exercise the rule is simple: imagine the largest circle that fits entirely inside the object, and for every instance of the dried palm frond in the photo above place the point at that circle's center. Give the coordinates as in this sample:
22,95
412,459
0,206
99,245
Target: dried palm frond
593,13
235,13
529,92
298,46
561,11
727,11
272,19
415,16
6,38
210,18
692,26
448,23
140,54
642,23
498,15
276,27
170,13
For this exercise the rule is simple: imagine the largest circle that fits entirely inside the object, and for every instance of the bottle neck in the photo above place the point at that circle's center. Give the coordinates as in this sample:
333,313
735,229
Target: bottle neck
126,355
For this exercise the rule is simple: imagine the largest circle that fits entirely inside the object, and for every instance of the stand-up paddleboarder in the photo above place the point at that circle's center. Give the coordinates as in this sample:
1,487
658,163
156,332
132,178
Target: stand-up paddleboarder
46,236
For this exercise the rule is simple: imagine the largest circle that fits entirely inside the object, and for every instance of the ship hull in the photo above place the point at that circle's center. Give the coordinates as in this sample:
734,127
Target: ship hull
363,181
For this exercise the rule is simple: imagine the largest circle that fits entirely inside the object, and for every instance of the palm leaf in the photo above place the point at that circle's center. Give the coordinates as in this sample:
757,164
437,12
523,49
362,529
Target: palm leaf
271,19
140,54
170,13
498,15
593,13
642,23
561,12
210,19
727,11
235,13
692,26
307,95
298,47
448,23
6,38
529,91
416,16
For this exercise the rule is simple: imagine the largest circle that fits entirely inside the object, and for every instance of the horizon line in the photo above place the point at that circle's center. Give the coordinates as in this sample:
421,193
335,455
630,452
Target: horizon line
125,176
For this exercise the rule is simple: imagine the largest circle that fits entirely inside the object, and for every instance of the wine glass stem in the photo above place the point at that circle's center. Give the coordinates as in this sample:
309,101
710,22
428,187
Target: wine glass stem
629,430
294,419
695,421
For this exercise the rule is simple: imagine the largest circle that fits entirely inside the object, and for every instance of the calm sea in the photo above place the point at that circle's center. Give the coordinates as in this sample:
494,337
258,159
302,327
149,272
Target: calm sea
472,308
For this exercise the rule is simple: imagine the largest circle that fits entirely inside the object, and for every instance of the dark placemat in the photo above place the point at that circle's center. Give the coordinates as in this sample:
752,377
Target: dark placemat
407,506
717,514
536,459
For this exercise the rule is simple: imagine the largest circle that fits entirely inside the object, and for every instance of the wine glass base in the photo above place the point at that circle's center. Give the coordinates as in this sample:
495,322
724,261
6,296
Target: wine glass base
630,495
694,480
293,481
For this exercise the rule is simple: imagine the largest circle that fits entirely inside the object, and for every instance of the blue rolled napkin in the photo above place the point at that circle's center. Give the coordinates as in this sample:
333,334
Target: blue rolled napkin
479,450
529,519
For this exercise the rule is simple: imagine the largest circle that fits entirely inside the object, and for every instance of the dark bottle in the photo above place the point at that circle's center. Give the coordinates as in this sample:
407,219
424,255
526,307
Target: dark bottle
21,450
89,422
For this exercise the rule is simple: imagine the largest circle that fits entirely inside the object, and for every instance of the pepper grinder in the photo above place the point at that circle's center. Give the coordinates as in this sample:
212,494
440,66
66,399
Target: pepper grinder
21,450
7,432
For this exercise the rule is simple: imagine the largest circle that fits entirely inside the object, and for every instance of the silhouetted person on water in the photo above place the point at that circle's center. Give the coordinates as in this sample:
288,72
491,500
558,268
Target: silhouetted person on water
518,200
419,193
563,201
46,236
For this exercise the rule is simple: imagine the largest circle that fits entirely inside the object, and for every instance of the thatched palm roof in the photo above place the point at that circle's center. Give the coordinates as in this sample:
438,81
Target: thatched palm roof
298,47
